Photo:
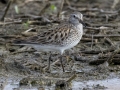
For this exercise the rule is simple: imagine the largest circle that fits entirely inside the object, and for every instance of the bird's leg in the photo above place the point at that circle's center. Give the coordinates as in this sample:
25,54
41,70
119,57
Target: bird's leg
49,61
61,60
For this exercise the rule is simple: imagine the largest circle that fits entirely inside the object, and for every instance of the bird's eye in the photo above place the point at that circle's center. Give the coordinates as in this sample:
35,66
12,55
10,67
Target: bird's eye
74,16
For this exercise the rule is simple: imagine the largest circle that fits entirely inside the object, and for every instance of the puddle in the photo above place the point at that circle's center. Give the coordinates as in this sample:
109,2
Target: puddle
14,85
109,84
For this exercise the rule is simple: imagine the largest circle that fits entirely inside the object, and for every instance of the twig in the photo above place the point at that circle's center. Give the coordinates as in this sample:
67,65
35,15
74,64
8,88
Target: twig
98,28
105,25
6,10
61,7
102,16
106,56
44,8
14,22
51,64
110,59
29,32
115,3
29,22
9,36
68,3
102,60
88,40
98,51
109,41
92,41
27,1
71,78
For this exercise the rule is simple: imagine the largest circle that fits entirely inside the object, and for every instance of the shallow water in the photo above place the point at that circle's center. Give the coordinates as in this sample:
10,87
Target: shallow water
108,84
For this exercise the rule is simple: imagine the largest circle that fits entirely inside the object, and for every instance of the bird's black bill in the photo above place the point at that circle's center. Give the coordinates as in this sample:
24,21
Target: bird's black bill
82,23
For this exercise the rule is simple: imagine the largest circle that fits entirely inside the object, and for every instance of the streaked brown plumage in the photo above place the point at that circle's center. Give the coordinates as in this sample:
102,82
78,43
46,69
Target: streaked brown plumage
60,38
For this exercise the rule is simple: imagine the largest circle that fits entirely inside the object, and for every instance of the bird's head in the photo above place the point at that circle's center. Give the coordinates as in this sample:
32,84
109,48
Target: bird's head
76,18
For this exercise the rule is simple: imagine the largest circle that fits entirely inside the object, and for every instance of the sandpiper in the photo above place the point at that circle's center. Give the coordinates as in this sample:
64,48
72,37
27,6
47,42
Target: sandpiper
65,36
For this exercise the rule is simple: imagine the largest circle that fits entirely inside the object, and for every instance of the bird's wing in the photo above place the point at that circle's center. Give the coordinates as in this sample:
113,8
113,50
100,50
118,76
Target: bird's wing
53,36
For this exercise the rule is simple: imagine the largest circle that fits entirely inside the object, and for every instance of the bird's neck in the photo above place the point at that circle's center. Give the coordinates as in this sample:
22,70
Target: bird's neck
80,28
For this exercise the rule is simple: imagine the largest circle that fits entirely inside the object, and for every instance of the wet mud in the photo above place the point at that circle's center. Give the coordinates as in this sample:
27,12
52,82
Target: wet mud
94,64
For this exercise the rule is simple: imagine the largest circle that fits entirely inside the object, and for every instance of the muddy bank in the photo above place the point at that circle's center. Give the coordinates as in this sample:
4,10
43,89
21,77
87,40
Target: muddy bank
23,68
